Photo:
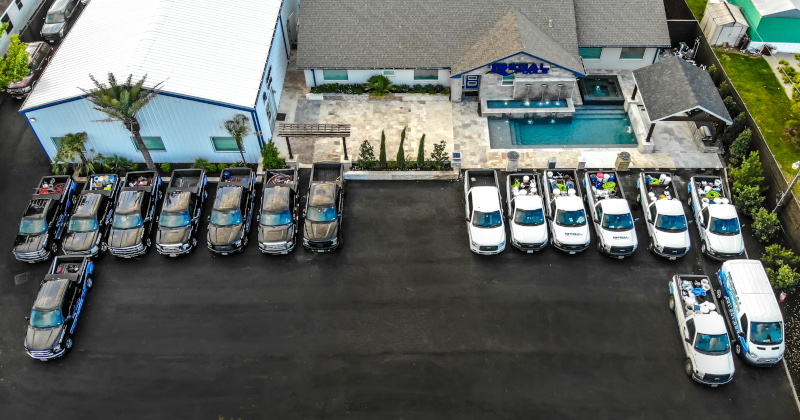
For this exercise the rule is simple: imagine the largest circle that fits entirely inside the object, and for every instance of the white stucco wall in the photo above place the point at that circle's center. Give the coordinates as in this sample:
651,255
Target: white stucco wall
401,77
609,60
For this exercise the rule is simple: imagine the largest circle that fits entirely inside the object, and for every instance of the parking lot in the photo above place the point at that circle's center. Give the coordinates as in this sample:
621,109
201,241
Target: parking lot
403,321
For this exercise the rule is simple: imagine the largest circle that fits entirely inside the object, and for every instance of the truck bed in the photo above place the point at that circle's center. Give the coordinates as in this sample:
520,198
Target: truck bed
280,176
603,187
697,294
236,176
326,172
561,179
140,180
716,184
659,191
481,178
185,179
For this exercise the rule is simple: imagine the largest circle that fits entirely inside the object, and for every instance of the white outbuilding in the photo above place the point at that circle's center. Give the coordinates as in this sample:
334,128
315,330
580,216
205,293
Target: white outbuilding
724,24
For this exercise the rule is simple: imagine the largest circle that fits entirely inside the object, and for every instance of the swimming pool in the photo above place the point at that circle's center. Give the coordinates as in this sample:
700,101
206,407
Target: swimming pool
600,90
592,126
526,104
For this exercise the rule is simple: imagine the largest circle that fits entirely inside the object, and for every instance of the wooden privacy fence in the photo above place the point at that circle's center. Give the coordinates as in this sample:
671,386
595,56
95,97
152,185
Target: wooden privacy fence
314,131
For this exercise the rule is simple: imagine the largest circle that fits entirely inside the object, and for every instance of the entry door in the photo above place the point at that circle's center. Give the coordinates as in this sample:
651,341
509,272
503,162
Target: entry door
471,82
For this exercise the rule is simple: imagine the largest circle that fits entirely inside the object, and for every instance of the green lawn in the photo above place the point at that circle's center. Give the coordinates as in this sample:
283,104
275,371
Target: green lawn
764,96
698,7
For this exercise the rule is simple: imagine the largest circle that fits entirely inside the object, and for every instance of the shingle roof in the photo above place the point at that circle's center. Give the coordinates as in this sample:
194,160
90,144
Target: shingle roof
511,34
673,86
365,34
621,23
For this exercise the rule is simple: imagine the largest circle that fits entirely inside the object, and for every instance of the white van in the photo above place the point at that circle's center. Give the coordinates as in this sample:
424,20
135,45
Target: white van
753,313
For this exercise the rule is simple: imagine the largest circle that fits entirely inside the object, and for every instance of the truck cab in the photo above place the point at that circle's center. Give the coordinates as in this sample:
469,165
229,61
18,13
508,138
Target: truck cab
91,217
702,327
133,217
716,218
232,213
484,212
526,211
45,219
179,220
611,214
58,304
279,207
39,54
55,22
322,230
566,215
663,211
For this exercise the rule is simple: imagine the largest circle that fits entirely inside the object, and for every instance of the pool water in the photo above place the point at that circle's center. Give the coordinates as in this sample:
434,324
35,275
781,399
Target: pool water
602,89
526,104
592,126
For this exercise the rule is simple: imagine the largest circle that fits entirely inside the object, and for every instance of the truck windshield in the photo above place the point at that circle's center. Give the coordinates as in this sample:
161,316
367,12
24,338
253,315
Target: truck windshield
47,319
82,225
618,222
226,217
283,217
713,344
529,217
127,221
32,226
487,220
55,18
571,218
172,220
724,226
671,223
766,333
321,214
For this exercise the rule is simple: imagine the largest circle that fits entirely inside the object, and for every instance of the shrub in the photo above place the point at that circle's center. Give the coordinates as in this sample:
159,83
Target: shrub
379,85
201,163
731,133
212,168
731,106
712,70
749,199
270,157
166,167
783,277
783,63
119,164
401,153
748,174
421,153
222,166
741,146
382,154
797,57
775,256
765,225
366,156
724,89
439,156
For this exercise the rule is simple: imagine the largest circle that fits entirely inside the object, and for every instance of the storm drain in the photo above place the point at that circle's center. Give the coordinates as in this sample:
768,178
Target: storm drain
20,278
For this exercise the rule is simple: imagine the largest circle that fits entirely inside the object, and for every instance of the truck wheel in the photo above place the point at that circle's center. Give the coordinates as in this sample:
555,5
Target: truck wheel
689,201
68,343
737,348
672,303
639,199
688,367
718,292
194,242
54,248
650,247
103,247
703,249
147,243
88,282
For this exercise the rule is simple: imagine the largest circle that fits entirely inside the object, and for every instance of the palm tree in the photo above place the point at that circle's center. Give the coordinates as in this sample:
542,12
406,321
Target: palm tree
121,102
239,127
70,148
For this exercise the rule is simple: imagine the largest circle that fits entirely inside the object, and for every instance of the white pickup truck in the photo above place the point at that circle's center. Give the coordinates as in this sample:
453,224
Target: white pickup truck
716,218
565,212
487,232
613,221
663,211
702,327
526,211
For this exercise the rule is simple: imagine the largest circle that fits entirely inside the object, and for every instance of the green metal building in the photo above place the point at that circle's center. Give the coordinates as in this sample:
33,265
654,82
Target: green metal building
774,22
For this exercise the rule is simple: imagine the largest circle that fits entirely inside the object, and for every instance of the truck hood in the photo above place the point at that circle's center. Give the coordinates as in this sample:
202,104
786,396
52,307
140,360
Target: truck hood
673,239
42,338
223,235
487,236
319,231
22,83
529,234
717,365
725,244
615,238
267,234
29,243
80,241
171,236
51,28
577,235
121,238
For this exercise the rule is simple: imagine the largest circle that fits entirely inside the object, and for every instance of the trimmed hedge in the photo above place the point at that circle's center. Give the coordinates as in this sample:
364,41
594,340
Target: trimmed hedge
357,89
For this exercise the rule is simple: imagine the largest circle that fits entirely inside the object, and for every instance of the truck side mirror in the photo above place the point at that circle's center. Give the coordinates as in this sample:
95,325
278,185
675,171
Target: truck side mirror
27,319
740,334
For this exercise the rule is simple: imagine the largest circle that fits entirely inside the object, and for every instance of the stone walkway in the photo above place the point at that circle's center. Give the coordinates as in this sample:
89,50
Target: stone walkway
774,63
458,124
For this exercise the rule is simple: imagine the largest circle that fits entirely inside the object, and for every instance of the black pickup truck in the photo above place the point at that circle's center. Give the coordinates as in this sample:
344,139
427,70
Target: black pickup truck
232,213
180,213
44,219
92,215
57,307
133,218
322,231
279,207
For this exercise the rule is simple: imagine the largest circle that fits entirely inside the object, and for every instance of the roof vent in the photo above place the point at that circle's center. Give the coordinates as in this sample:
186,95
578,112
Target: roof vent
549,23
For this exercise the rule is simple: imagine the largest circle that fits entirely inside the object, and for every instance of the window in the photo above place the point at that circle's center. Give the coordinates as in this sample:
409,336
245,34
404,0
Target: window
7,20
743,324
334,74
508,80
690,329
590,53
264,96
224,144
56,140
19,4
632,53
388,73
426,74
153,144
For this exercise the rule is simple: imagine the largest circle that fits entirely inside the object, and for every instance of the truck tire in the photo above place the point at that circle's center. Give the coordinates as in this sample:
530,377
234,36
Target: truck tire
737,348
54,249
672,303
703,249
688,367
689,201
718,292
89,282
68,343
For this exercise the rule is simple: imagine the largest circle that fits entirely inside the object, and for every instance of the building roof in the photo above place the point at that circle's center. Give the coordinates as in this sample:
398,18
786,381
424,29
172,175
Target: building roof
672,86
439,33
621,23
725,13
778,8
207,49
511,34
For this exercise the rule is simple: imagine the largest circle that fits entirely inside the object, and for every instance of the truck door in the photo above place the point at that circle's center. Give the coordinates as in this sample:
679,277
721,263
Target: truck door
469,206
598,216
703,221
689,331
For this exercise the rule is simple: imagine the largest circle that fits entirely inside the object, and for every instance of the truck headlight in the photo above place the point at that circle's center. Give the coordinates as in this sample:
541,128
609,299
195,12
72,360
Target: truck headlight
26,89
660,248
752,355
94,249
305,241
185,246
335,241
237,242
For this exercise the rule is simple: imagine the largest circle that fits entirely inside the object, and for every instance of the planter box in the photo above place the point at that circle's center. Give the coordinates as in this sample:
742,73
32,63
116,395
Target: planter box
450,175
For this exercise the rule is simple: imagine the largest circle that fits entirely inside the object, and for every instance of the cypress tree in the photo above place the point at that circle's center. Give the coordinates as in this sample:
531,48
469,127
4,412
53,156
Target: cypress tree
401,153
421,153
382,155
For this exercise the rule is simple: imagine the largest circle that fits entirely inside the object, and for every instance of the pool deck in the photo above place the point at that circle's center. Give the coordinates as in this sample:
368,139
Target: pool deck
460,126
